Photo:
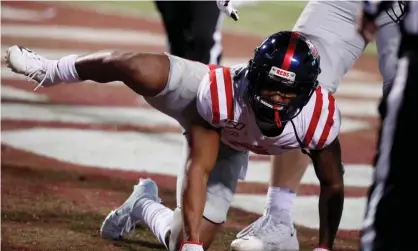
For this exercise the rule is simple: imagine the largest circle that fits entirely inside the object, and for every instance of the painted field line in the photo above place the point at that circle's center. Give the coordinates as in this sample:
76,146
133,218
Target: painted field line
13,93
305,210
84,34
356,175
100,114
361,89
21,14
360,75
86,114
365,108
156,153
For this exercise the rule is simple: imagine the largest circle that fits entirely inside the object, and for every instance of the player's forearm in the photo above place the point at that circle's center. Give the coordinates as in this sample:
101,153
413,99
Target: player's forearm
194,197
331,202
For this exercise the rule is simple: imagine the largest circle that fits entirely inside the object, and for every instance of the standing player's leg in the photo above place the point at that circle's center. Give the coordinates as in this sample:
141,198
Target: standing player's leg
389,210
205,32
176,17
387,42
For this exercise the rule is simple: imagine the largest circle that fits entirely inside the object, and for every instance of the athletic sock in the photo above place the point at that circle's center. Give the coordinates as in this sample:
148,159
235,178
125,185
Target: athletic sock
65,69
280,203
156,216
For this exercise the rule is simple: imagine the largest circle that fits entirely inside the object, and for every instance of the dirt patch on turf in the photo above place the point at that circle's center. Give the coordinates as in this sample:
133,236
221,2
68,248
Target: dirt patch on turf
59,207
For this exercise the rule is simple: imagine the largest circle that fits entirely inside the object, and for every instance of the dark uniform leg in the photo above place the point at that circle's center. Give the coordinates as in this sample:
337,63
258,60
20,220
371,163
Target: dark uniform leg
176,17
390,211
205,34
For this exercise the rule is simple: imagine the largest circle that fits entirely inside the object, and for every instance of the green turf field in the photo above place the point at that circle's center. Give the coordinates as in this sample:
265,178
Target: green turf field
260,17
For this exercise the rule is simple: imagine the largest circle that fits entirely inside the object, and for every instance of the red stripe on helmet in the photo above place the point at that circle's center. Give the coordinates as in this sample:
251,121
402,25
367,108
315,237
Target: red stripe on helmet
287,61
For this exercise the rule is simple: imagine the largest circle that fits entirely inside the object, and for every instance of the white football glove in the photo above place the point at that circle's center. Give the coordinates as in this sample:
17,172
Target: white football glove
321,249
191,246
226,7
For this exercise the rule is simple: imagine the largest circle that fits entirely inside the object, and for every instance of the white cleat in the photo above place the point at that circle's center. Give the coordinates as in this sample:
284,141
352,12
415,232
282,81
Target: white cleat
121,221
268,233
23,61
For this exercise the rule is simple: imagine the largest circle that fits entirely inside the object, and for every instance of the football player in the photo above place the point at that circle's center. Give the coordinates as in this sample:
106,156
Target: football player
270,105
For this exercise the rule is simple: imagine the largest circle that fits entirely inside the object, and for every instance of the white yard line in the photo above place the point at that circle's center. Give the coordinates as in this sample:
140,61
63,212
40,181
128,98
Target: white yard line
137,151
85,34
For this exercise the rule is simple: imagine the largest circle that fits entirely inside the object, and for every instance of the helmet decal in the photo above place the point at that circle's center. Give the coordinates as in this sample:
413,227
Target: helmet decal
277,72
314,51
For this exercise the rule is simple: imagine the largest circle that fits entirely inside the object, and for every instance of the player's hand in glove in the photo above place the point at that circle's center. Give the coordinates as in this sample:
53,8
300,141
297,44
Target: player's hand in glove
191,246
226,7
321,249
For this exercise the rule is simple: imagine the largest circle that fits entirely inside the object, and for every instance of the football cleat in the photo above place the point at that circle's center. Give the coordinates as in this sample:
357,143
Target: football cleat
121,221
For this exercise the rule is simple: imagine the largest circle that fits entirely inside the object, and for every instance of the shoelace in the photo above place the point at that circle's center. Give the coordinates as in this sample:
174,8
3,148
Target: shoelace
265,226
44,66
130,223
248,229
128,227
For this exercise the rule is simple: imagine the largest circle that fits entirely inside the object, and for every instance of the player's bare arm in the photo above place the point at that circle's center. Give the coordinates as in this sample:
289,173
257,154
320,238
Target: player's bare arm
204,146
328,168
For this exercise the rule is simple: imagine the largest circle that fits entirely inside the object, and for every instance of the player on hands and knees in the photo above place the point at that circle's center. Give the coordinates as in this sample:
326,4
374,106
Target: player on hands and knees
268,106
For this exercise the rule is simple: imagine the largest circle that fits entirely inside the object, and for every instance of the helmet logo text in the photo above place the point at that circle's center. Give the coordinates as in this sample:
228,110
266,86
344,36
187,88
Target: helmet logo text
277,72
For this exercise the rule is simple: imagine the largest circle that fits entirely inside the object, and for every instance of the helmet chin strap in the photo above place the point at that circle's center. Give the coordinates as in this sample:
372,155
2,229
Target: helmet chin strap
277,117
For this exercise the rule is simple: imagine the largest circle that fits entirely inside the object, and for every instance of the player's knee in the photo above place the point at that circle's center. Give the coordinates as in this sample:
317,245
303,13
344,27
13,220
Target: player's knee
335,187
216,214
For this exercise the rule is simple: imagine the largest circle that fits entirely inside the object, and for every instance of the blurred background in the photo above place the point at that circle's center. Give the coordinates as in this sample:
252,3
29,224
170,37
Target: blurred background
256,17
73,152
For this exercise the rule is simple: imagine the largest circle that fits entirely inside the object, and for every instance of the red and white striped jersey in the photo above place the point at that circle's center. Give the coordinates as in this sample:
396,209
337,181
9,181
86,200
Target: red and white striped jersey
222,100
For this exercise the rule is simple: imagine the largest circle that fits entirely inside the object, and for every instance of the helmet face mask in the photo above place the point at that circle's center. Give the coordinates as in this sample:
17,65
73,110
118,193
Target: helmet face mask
276,72
396,14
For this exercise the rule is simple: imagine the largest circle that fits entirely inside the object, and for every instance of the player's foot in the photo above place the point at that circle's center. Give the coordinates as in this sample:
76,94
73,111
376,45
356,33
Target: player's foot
23,61
268,233
121,221
245,231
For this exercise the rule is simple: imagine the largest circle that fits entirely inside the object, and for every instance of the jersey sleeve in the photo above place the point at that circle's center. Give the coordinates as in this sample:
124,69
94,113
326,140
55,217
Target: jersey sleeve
323,124
215,97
